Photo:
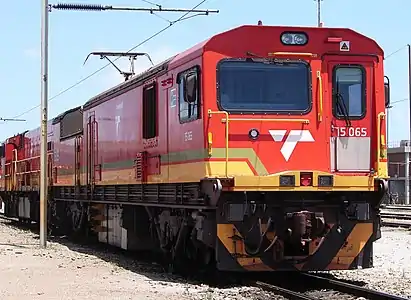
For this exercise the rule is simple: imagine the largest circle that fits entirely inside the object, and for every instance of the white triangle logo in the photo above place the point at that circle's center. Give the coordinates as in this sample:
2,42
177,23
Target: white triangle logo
293,138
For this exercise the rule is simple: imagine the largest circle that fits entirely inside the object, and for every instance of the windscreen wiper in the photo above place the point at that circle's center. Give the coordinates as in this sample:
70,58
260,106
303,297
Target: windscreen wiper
343,108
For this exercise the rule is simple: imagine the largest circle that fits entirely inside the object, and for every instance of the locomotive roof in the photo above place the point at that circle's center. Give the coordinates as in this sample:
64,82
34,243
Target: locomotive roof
143,76
216,40
198,48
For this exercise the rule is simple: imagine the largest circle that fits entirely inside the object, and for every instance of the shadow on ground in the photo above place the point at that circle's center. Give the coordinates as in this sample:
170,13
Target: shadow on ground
149,265
143,263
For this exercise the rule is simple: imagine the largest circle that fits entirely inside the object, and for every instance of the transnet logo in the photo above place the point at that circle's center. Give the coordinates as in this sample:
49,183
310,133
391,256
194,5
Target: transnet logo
293,138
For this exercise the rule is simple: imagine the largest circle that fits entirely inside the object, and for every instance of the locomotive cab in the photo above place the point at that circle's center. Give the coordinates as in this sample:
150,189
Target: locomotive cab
296,136
314,97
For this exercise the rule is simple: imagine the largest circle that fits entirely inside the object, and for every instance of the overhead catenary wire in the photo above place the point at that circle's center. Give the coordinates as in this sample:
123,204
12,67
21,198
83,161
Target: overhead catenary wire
151,3
398,101
98,7
181,18
395,52
12,119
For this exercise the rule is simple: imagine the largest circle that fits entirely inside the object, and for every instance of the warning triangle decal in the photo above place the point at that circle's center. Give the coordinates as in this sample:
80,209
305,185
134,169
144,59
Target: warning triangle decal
345,46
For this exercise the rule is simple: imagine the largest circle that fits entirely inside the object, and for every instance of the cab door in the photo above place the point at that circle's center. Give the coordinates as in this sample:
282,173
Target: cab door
351,93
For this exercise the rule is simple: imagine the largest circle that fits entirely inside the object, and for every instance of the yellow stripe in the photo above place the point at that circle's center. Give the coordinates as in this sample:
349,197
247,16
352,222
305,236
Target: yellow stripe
244,179
353,246
225,233
272,182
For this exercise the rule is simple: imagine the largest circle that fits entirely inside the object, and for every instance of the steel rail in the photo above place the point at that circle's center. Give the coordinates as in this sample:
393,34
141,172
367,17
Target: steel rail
289,294
395,207
396,215
395,223
348,288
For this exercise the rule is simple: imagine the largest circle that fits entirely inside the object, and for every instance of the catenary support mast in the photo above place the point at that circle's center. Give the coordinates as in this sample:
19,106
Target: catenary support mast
318,12
43,111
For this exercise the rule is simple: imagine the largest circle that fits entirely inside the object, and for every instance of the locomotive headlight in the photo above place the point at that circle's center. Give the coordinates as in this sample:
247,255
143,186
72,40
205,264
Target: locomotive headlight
253,133
289,38
299,39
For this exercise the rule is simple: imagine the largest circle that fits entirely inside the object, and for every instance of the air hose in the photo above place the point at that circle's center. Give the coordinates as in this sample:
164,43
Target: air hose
261,237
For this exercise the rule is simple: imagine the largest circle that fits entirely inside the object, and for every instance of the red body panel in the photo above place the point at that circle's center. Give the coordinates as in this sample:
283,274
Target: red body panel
306,155
118,113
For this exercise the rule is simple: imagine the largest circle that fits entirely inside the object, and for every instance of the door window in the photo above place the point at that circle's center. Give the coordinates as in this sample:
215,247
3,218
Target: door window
349,92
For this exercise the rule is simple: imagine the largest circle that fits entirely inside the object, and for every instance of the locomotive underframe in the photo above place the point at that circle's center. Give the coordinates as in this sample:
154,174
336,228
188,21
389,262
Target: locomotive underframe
206,225
296,231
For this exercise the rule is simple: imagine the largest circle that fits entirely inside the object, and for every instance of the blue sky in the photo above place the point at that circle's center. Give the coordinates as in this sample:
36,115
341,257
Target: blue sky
73,34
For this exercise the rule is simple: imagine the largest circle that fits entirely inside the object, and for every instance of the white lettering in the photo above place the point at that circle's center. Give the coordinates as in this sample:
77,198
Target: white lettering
351,131
188,136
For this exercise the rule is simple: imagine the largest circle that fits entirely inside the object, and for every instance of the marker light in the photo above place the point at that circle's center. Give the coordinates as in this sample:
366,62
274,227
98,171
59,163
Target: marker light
306,179
294,38
253,133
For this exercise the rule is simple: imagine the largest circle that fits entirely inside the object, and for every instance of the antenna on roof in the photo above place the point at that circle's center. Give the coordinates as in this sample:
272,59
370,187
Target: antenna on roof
132,56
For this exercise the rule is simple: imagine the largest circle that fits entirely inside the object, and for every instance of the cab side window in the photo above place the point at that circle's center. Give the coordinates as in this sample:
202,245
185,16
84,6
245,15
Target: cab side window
189,95
349,92
150,121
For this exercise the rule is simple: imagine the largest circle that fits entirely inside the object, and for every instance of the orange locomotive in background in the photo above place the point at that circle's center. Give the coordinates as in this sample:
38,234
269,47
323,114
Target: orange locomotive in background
261,148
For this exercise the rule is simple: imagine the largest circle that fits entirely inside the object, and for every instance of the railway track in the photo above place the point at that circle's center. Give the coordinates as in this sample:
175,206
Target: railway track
319,283
396,215
301,286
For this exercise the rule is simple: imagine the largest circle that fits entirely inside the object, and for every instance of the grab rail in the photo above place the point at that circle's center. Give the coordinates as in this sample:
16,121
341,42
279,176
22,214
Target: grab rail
320,96
227,120
292,54
303,121
210,113
381,141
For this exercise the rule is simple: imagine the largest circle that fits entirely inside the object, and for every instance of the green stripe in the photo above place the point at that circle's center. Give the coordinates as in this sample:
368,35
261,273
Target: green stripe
122,164
64,172
188,155
248,153
175,157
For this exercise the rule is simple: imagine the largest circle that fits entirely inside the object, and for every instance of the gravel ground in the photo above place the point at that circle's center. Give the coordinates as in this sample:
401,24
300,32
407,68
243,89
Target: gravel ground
68,271
392,264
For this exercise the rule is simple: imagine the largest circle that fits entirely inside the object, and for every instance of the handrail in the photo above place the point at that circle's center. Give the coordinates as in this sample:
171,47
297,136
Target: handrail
210,143
320,96
26,159
27,172
227,120
15,184
33,157
304,121
210,113
380,139
292,54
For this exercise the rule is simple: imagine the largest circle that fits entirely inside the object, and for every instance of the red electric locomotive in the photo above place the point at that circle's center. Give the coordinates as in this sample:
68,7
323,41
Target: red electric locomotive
261,148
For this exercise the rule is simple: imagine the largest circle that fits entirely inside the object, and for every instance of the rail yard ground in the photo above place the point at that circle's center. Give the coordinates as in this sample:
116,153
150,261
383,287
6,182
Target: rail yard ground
69,271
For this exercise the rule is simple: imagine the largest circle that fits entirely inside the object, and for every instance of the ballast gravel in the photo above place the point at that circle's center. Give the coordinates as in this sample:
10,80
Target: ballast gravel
70,271
392,264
